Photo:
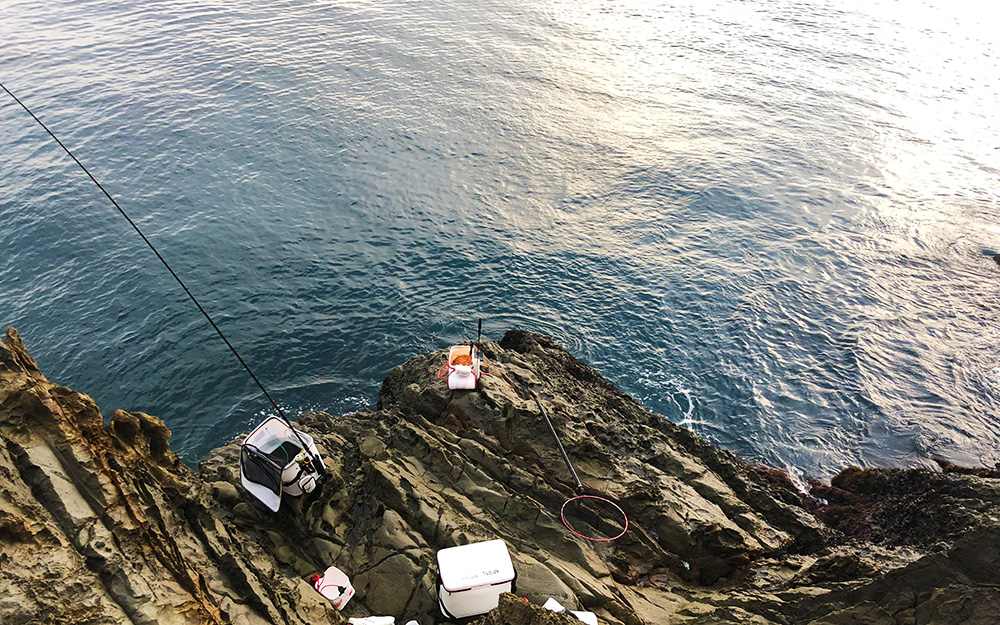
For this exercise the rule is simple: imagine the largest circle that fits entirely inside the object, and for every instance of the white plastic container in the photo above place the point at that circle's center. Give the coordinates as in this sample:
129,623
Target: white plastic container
335,586
465,376
471,578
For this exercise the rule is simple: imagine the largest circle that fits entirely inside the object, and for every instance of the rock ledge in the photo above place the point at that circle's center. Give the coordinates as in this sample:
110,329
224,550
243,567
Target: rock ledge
101,523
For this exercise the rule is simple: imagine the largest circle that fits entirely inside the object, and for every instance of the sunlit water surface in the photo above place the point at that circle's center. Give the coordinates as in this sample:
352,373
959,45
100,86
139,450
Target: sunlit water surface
772,222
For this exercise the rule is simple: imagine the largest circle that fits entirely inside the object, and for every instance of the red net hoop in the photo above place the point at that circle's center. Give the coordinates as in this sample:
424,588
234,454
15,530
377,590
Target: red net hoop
595,499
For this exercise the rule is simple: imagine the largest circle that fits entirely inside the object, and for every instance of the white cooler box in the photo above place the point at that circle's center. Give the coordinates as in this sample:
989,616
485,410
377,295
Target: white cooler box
471,578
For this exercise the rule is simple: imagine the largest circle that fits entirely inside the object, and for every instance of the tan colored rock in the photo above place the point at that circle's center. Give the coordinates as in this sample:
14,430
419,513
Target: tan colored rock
103,524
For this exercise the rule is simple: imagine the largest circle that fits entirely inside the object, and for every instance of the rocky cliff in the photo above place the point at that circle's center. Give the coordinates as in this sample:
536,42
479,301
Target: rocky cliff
100,523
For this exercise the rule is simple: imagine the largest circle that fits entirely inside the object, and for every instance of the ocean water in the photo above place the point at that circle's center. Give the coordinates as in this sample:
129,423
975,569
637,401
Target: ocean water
770,221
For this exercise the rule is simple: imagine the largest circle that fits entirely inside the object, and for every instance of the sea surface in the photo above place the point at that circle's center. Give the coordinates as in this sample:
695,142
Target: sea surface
770,221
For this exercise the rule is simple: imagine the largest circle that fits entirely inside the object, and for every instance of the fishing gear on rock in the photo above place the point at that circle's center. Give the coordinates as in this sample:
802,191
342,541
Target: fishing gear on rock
275,458
581,493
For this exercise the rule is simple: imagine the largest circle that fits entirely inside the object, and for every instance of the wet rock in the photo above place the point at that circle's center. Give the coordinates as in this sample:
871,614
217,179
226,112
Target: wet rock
909,506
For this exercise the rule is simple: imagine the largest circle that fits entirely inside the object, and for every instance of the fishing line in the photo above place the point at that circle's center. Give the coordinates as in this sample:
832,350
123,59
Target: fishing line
167,265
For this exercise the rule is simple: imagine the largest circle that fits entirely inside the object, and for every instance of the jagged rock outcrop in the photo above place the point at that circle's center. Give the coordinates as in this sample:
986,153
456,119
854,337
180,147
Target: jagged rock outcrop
101,523
910,506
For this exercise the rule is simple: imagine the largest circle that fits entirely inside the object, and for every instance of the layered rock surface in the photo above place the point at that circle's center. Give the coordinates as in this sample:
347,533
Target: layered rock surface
102,523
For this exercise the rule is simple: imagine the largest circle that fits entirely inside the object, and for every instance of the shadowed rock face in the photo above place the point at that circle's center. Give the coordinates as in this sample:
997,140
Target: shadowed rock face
103,524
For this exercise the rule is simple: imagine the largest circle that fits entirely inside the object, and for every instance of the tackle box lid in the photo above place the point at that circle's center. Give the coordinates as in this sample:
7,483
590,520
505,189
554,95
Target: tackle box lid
475,564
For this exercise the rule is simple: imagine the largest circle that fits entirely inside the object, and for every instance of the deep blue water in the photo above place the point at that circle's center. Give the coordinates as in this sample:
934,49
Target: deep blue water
770,221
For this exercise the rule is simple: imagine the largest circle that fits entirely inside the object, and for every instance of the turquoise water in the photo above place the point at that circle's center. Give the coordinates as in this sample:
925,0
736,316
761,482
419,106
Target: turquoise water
771,222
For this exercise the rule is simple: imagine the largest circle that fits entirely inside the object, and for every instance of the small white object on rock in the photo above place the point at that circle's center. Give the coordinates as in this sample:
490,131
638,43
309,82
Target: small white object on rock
335,586
587,617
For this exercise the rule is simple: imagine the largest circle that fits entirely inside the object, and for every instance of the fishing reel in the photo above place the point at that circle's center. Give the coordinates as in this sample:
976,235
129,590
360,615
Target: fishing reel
306,479
304,461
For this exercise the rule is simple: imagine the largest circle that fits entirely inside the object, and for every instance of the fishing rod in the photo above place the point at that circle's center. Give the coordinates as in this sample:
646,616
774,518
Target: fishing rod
135,227
478,349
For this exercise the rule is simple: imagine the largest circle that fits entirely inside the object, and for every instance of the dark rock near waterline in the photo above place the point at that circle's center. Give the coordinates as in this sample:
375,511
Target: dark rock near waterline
102,523
909,506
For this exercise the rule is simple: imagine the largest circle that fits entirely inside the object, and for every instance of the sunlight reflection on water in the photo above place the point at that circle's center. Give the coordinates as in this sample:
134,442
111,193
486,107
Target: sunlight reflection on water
770,222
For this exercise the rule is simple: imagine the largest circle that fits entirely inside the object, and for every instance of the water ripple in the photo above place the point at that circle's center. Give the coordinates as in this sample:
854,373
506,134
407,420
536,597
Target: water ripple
772,223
